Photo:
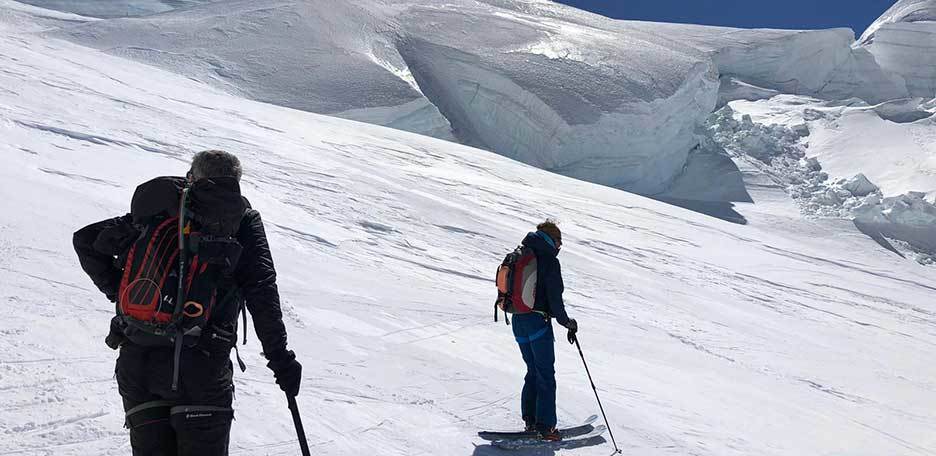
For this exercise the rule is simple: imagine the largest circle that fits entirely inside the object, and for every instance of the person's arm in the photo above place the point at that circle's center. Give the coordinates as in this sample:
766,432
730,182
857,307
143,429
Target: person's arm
554,290
256,277
97,246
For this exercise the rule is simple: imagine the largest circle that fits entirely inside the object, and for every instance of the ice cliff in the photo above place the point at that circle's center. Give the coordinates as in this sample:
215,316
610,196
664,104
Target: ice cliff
903,41
557,89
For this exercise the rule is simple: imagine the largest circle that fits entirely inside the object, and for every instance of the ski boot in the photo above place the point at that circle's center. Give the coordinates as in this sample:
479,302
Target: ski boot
550,435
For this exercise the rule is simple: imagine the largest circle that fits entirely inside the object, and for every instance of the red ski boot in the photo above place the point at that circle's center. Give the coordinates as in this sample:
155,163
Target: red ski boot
552,435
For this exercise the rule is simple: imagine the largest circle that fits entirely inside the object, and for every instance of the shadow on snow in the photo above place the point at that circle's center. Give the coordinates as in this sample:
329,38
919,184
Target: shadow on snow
551,450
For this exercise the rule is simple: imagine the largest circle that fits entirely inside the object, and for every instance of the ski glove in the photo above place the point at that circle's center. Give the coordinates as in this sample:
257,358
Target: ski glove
572,326
287,370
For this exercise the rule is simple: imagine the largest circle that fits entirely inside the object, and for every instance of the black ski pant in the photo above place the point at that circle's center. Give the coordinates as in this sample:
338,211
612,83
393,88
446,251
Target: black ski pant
193,421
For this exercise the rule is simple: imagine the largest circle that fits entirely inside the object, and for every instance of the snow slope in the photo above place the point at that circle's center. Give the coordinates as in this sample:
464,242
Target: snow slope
249,48
24,17
114,8
779,337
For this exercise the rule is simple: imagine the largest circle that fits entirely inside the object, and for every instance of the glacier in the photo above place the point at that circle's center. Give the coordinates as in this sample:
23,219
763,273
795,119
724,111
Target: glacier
514,77
486,74
520,78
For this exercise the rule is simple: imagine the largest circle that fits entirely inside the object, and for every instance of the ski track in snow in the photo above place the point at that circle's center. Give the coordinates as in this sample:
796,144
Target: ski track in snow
783,336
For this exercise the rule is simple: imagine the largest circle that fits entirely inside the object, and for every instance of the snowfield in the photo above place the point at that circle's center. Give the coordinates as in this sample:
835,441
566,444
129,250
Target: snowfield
784,336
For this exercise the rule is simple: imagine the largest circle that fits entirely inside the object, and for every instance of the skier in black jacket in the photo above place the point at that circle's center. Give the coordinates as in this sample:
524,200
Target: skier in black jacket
195,419
534,333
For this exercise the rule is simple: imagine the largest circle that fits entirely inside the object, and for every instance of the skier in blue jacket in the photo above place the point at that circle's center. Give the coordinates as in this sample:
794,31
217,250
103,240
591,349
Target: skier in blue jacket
534,333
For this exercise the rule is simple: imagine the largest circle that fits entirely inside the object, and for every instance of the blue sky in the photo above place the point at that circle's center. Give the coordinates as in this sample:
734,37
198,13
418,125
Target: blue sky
798,14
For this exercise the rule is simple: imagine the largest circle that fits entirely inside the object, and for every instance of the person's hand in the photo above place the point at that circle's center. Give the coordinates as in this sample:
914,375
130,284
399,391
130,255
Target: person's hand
115,337
287,370
572,326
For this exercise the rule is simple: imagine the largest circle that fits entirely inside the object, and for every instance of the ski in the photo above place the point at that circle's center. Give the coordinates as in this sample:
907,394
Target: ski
569,432
588,439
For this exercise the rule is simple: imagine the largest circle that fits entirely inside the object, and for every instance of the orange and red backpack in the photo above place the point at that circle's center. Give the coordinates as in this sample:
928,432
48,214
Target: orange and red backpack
516,283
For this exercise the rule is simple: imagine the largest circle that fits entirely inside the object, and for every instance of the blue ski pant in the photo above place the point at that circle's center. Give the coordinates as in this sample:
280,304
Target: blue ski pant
534,334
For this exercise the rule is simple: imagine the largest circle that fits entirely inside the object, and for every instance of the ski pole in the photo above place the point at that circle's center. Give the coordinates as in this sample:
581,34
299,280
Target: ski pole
294,408
616,449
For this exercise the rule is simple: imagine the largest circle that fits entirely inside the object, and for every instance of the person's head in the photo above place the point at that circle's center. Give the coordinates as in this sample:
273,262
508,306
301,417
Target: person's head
214,163
551,228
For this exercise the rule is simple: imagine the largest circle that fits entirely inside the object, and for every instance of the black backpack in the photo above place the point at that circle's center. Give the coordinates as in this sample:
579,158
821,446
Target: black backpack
183,257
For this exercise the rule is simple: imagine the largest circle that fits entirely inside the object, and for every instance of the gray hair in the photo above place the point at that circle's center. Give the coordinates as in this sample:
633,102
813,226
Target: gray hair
215,163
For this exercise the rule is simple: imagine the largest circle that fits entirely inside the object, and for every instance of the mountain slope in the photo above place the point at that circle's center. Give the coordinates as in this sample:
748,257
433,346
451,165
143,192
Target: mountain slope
779,337
115,8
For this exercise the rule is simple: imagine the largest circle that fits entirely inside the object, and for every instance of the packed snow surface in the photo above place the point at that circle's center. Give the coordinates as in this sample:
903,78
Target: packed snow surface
783,336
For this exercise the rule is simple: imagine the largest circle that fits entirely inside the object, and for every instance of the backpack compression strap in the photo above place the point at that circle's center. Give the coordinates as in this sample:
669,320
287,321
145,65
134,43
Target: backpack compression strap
180,297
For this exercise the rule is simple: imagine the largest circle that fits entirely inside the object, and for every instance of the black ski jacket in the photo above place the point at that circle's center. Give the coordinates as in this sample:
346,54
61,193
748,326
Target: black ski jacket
254,274
549,286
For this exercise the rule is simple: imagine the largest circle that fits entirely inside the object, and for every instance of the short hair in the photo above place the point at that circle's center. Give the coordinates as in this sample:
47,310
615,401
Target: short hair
215,163
551,227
